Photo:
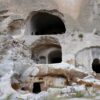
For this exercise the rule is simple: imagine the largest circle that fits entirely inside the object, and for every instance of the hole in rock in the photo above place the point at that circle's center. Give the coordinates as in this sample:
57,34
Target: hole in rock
43,23
36,88
55,56
96,65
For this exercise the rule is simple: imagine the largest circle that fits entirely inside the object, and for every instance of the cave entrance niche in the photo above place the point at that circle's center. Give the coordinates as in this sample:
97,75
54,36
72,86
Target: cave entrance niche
46,23
36,88
46,50
96,65
86,56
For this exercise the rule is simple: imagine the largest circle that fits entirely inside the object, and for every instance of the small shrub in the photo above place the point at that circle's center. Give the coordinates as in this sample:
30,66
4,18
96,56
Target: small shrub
80,35
1,33
79,94
8,97
51,97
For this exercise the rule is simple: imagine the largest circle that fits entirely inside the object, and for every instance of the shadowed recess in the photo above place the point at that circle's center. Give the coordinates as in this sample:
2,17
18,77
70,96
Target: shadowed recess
55,56
96,65
36,88
45,24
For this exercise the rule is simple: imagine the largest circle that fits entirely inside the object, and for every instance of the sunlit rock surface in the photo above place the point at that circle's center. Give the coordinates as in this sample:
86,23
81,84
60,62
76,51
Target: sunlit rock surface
24,60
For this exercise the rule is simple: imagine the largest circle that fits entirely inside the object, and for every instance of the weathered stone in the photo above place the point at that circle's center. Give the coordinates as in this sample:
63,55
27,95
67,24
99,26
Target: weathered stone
28,37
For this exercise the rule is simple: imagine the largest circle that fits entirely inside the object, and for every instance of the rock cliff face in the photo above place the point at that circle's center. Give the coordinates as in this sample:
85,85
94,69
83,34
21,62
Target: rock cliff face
46,45
79,14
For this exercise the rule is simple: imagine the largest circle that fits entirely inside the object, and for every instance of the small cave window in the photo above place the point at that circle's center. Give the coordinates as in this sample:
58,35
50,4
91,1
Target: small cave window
36,88
55,57
96,65
42,60
44,23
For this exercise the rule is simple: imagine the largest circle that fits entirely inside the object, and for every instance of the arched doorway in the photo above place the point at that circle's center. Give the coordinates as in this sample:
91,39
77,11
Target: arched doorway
46,50
86,56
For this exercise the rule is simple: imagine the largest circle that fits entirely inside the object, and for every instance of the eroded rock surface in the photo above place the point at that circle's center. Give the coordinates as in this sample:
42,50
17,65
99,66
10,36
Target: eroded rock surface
37,66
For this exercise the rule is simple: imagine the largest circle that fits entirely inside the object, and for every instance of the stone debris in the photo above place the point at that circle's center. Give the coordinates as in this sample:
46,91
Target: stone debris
54,78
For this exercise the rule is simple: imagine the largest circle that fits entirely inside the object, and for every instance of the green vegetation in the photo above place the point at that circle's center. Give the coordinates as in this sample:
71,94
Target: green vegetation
79,94
8,97
80,36
1,33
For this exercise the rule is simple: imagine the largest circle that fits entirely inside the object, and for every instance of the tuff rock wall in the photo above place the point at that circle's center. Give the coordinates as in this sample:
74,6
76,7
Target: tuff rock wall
18,69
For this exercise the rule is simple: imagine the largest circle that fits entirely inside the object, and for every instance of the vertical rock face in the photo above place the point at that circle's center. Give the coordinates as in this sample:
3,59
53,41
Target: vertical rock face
86,13
89,18
79,14
24,6
71,7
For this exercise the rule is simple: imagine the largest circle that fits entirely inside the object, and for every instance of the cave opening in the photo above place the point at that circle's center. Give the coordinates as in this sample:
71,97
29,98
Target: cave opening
46,50
55,57
36,88
96,65
44,23
42,59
